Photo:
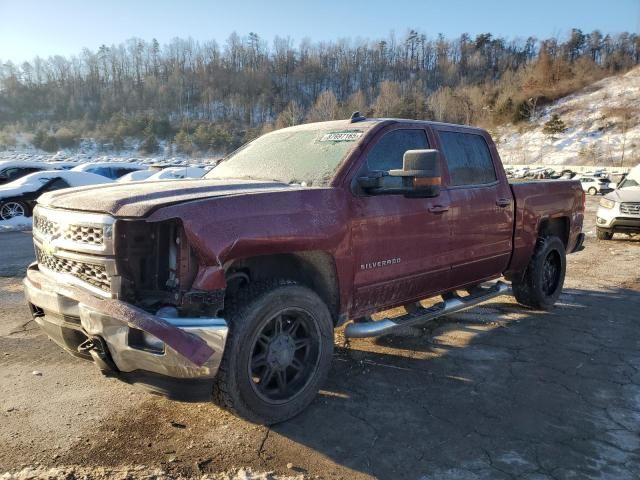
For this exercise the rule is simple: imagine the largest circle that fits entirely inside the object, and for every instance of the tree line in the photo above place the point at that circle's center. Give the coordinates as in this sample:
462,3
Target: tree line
207,97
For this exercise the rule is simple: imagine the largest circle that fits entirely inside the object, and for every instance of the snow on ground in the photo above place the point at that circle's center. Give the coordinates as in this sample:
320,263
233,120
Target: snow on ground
594,135
88,151
15,224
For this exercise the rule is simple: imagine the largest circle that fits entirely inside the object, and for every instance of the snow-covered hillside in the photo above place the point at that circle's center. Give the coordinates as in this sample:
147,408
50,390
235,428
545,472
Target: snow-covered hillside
601,121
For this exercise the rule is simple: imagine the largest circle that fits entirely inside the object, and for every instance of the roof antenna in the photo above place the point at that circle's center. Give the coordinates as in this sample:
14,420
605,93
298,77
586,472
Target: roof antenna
356,117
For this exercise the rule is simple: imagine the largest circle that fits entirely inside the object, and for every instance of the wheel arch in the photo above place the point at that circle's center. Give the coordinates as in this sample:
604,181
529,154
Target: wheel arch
314,269
556,226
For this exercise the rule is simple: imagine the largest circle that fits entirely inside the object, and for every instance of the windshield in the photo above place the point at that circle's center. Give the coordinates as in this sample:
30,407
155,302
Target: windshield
632,179
305,156
630,182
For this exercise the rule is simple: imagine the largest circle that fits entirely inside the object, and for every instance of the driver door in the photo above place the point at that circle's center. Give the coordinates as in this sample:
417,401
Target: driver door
400,244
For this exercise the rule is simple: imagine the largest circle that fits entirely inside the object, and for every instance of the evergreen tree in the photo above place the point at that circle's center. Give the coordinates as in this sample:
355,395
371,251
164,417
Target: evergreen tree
202,138
39,138
150,144
50,144
554,126
183,142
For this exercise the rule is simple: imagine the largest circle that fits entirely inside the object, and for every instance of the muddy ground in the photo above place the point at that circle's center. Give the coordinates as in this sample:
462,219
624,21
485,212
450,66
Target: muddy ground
496,392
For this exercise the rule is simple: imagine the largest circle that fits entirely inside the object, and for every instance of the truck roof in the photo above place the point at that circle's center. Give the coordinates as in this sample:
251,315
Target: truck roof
368,123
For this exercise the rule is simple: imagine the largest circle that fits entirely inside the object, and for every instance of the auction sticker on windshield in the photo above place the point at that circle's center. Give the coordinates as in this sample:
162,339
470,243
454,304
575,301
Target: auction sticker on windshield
341,136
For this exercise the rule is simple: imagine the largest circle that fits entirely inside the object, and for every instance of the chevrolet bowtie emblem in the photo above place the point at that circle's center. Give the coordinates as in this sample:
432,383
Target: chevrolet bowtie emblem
48,248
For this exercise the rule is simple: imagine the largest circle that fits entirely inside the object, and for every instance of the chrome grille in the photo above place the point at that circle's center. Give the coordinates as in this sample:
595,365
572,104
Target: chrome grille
630,208
83,234
90,273
45,226
80,234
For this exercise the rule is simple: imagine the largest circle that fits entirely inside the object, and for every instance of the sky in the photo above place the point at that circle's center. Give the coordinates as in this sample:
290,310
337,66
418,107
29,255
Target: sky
64,27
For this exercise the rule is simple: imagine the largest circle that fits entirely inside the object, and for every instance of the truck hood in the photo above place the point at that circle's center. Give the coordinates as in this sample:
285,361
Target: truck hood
138,199
628,194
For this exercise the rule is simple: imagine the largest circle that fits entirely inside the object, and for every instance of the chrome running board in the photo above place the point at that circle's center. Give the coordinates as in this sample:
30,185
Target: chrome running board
446,307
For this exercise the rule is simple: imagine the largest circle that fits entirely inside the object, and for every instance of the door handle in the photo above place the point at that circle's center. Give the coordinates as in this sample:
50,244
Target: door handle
438,209
503,202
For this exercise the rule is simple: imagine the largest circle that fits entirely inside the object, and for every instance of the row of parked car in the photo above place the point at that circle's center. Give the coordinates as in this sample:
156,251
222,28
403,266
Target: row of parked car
595,182
619,209
22,182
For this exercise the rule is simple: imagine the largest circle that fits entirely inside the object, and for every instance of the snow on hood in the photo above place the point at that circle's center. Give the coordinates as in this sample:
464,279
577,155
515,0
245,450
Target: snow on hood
140,198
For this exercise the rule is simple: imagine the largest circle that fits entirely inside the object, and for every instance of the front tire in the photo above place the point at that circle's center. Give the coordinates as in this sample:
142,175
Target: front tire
13,209
543,280
603,234
278,351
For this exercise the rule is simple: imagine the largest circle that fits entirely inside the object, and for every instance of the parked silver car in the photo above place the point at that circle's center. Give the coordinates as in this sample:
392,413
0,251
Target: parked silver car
619,210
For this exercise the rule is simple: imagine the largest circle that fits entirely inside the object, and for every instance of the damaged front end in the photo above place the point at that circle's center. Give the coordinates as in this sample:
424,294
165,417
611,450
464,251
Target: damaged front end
125,294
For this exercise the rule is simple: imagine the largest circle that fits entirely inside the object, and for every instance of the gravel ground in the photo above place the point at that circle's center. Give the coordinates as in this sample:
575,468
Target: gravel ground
496,392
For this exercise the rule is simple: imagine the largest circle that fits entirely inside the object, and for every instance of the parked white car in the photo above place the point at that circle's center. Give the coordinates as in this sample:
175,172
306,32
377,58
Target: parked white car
173,173
19,197
112,170
595,185
136,176
11,170
619,211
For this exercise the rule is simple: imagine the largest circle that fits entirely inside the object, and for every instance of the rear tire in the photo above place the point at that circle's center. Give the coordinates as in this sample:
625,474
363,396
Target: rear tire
278,353
543,280
603,234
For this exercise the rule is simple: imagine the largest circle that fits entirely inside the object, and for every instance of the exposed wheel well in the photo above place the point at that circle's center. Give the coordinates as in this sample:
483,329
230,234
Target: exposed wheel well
315,269
557,227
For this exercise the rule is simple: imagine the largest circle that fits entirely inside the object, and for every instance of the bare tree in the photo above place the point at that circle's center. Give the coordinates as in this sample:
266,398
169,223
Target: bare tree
325,107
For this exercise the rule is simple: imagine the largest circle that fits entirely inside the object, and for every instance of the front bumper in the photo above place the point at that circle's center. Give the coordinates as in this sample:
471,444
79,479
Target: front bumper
614,221
184,350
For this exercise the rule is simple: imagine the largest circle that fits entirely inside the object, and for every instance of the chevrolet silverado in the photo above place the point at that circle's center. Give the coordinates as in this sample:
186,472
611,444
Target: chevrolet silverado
230,287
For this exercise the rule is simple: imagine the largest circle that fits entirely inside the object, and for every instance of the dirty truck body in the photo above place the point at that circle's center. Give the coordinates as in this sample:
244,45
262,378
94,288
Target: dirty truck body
230,286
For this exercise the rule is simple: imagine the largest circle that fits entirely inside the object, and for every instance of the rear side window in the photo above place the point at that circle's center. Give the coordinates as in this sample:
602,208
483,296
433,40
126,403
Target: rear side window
387,154
103,171
15,173
468,158
57,184
120,172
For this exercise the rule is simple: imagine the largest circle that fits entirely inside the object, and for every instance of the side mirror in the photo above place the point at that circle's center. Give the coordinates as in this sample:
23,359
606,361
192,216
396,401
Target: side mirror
420,173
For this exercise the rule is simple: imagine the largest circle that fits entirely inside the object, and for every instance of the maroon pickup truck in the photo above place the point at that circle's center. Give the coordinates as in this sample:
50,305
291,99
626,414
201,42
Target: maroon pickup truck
230,286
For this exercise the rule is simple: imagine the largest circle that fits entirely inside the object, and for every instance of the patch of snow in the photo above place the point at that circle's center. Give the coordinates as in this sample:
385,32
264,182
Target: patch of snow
594,135
16,224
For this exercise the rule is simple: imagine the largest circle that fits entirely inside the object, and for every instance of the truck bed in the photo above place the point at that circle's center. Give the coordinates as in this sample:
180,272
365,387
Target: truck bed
538,201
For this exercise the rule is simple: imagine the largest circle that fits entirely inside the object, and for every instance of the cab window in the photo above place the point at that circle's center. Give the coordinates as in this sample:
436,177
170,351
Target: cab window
388,152
468,158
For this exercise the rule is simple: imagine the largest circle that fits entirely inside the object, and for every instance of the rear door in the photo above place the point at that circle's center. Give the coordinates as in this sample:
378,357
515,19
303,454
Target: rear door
481,209
399,244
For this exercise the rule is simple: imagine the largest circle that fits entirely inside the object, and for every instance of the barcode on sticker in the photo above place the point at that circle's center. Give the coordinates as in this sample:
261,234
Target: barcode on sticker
341,137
